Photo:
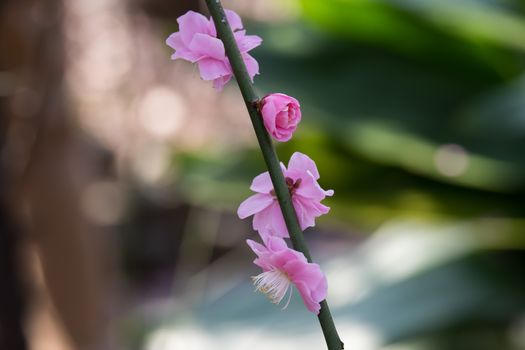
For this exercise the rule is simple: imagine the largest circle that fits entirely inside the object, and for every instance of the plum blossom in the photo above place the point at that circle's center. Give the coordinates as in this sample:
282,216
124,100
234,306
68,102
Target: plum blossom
301,177
281,115
283,267
197,42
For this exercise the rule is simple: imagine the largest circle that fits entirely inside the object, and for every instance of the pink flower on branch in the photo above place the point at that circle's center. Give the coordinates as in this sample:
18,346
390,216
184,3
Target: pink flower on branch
197,42
281,115
283,267
301,177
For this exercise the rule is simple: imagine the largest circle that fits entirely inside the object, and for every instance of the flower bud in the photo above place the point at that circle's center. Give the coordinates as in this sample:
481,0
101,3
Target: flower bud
281,115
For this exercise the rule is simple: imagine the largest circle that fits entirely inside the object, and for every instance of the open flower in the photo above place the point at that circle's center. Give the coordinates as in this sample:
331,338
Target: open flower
281,114
301,178
283,267
197,42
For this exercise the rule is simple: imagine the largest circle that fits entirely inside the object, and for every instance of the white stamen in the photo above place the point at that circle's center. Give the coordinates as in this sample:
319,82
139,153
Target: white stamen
275,284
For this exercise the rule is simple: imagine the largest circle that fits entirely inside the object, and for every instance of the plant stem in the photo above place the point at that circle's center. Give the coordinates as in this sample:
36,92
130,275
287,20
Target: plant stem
270,157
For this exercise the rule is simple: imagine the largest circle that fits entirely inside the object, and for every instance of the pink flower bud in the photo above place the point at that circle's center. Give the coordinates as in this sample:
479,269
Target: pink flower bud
281,114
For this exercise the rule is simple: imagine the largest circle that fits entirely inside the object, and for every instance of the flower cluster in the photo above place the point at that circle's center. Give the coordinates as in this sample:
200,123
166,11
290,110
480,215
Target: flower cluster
281,265
197,42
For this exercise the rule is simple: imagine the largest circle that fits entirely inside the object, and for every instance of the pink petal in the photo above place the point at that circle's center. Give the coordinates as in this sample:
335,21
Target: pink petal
305,215
257,248
321,291
281,137
251,65
281,101
211,69
309,273
276,244
282,118
254,204
234,20
308,210
192,23
301,161
278,223
220,82
270,222
321,208
263,259
262,183
283,168
286,258
268,113
174,41
311,304
181,51
246,42
310,282
309,188
207,46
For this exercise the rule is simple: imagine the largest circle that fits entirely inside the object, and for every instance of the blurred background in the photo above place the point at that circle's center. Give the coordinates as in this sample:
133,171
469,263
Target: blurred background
121,172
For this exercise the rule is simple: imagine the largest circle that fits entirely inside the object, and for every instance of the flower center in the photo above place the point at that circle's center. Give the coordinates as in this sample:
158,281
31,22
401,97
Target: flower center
292,185
274,283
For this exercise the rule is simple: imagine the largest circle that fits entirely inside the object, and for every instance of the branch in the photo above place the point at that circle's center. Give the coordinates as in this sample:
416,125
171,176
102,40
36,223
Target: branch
270,157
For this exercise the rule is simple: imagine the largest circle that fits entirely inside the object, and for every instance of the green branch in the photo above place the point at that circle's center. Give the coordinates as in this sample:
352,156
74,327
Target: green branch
270,157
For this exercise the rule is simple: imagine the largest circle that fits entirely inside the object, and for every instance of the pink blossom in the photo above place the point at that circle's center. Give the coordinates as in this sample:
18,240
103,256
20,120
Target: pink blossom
281,114
283,267
301,178
197,42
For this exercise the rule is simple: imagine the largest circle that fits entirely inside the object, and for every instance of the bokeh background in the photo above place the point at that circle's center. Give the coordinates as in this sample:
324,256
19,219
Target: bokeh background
121,171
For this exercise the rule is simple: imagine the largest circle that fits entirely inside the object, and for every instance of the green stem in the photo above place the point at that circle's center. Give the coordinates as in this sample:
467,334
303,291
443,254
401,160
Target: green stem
270,157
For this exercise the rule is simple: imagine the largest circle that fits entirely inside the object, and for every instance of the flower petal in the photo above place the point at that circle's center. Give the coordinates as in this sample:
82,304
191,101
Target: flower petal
302,162
311,304
278,224
263,254
220,82
181,51
309,188
276,244
305,215
175,41
268,113
207,46
252,66
191,23
257,248
246,42
211,69
254,204
308,210
310,282
270,222
262,183
234,20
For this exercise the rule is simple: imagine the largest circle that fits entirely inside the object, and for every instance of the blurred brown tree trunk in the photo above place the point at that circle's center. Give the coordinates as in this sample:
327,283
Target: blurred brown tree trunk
11,300
49,165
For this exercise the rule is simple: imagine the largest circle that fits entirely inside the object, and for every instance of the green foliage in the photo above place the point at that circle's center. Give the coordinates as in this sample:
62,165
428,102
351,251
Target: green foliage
384,85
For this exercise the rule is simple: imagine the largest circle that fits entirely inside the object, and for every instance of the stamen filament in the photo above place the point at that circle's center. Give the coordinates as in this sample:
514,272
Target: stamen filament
274,283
